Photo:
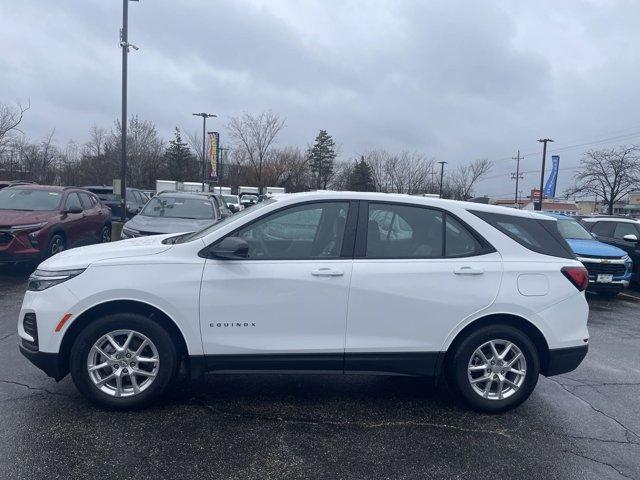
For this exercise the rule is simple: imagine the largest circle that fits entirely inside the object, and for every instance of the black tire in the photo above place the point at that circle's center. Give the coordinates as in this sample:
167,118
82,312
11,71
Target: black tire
457,368
167,366
105,234
57,244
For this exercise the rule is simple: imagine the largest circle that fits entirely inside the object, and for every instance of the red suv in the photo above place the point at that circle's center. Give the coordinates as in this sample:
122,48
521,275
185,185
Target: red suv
37,221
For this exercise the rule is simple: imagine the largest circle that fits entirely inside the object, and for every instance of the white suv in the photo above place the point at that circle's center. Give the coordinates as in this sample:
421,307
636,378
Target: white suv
348,282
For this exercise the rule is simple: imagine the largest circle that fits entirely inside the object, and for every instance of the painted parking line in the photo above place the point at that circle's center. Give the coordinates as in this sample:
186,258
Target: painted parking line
632,296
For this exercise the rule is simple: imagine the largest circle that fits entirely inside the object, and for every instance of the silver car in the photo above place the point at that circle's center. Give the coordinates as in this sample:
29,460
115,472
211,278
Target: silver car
174,212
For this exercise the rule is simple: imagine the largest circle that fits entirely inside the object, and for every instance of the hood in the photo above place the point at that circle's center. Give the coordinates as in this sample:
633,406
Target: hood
595,248
161,225
13,218
82,257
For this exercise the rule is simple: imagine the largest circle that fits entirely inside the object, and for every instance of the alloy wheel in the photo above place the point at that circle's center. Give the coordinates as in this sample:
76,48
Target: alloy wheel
123,363
106,235
497,369
57,245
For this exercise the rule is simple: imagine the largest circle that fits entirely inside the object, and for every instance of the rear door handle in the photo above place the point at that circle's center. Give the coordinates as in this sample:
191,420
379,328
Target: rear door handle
466,270
326,272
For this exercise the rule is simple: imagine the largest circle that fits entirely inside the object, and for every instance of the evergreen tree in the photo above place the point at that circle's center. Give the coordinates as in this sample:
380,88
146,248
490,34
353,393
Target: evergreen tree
361,177
321,158
179,159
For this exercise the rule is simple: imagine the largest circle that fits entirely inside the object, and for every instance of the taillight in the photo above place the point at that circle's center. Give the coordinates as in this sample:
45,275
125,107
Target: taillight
578,276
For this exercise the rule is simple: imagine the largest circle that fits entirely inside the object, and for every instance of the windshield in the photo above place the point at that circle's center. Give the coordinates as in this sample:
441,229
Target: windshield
179,207
206,231
230,198
29,199
571,229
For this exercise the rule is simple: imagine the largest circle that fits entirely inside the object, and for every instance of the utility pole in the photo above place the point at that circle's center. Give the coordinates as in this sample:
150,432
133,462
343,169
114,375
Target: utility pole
517,176
204,139
125,45
544,142
220,150
442,164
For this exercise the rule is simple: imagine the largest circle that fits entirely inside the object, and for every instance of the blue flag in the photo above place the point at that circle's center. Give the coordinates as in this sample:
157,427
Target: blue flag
550,186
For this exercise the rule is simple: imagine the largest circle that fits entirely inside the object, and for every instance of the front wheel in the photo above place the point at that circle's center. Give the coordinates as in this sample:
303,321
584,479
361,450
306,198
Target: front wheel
494,369
123,361
105,234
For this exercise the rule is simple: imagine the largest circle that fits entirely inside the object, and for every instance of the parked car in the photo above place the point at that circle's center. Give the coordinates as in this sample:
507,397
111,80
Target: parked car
37,221
489,297
621,232
609,267
233,202
136,199
248,199
174,212
225,210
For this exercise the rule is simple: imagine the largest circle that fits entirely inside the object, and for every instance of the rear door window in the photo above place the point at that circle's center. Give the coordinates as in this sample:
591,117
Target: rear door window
624,228
459,241
401,231
86,200
73,201
538,235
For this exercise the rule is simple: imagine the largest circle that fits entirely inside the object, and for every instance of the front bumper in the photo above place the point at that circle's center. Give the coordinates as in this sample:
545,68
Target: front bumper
564,360
618,268
49,363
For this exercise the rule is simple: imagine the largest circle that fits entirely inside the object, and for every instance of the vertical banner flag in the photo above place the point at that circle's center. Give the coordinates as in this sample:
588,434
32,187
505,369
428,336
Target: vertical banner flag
214,141
550,186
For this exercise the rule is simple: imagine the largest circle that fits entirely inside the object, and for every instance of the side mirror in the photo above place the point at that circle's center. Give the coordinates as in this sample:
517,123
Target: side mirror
230,248
73,210
232,208
631,238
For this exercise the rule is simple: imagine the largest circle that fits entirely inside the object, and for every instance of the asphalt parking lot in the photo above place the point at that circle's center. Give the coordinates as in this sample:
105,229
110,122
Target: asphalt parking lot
583,425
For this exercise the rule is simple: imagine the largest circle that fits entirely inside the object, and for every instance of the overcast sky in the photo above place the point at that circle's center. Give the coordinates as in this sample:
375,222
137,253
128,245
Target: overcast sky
456,80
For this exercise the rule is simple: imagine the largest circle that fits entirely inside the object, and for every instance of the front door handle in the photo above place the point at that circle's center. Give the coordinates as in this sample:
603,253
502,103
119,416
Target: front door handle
466,270
326,272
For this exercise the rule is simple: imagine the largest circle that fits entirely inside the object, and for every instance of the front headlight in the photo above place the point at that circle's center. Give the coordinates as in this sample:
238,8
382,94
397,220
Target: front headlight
129,233
31,226
43,279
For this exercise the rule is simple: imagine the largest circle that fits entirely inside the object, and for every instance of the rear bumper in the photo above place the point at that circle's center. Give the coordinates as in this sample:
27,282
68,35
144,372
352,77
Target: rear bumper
563,360
49,363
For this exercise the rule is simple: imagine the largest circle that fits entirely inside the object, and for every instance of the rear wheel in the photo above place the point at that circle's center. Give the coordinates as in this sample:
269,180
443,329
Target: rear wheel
123,361
494,369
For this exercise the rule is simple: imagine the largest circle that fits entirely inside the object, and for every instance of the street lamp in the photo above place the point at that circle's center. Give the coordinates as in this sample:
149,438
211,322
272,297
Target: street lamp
125,45
544,142
442,164
204,136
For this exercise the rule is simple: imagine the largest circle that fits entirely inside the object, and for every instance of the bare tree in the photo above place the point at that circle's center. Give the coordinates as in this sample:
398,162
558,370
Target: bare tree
404,172
610,174
463,179
254,137
10,119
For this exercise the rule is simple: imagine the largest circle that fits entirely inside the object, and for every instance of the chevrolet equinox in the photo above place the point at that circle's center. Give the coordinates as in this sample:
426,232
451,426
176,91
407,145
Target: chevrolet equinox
486,297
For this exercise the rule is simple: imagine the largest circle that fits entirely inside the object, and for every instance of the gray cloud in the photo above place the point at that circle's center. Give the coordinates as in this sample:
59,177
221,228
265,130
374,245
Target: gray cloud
456,80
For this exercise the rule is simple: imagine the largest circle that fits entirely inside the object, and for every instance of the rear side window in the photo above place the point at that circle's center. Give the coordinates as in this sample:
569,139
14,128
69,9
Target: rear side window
540,236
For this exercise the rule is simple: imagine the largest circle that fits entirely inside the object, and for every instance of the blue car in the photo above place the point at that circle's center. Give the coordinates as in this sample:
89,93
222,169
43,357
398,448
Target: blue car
609,267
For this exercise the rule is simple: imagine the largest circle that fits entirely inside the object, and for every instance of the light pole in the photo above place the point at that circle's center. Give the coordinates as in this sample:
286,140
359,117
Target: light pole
125,45
517,175
544,142
204,137
220,150
442,164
